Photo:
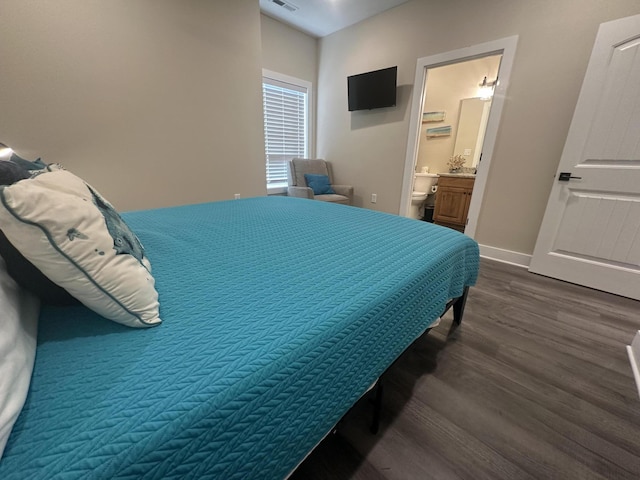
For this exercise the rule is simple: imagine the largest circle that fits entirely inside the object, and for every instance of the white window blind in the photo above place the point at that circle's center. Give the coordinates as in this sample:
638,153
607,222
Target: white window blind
285,127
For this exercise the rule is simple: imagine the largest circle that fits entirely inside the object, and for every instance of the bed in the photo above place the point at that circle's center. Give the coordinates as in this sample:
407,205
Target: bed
278,315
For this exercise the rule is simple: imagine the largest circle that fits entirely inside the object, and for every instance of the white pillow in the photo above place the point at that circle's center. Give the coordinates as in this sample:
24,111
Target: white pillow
18,329
75,237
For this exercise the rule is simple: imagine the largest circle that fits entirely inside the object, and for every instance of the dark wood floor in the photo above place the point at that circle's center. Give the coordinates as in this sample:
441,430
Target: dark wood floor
536,384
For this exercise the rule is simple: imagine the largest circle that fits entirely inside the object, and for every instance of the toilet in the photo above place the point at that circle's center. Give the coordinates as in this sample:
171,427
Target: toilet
424,184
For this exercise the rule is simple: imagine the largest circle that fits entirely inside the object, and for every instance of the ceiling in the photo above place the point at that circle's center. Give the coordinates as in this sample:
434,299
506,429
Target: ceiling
323,17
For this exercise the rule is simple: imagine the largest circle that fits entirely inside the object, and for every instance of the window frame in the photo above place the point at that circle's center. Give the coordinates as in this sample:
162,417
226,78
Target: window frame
297,84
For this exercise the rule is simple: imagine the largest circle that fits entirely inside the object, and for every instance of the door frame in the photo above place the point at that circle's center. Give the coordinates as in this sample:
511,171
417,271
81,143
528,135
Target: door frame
505,46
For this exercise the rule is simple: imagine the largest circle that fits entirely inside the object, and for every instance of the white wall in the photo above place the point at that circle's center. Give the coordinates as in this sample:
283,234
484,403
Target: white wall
291,52
446,87
154,102
555,40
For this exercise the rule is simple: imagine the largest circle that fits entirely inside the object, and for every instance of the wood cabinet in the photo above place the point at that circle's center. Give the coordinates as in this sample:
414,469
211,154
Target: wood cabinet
452,202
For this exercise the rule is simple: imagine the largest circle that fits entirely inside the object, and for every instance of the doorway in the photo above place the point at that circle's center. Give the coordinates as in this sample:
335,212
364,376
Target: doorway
506,48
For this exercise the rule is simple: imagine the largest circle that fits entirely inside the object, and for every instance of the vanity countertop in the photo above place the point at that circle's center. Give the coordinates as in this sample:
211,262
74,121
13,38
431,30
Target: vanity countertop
459,175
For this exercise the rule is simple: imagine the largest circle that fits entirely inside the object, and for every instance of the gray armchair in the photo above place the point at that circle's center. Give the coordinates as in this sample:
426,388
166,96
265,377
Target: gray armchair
298,185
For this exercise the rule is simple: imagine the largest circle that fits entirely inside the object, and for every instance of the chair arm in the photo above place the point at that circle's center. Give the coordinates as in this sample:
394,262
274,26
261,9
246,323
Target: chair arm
346,190
301,192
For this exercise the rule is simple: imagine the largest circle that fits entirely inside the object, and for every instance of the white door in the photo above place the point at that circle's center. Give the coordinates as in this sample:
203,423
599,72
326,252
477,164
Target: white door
590,234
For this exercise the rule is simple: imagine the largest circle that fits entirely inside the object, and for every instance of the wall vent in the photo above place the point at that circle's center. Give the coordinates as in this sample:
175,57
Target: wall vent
289,6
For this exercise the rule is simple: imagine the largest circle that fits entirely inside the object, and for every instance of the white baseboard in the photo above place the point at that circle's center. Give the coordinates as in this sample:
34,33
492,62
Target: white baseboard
634,357
505,256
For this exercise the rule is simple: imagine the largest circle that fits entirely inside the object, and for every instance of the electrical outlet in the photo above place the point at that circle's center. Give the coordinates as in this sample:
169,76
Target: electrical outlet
467,151
374,197
236,196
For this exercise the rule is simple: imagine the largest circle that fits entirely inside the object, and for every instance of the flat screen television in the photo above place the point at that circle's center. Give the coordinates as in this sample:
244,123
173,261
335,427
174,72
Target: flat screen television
370,90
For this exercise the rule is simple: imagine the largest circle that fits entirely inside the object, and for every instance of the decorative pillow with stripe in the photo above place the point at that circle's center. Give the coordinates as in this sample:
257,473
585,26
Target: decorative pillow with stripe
75,237
24,272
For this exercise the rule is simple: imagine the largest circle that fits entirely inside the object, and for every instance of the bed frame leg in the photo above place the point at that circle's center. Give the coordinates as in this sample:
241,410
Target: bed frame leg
377,407
458,310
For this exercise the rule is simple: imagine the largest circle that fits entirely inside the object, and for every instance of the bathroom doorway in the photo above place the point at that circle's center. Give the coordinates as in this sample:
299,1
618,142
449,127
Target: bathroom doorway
449,95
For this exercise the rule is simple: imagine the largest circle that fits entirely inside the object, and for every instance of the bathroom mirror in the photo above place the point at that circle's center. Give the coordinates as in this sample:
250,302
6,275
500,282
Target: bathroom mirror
472,124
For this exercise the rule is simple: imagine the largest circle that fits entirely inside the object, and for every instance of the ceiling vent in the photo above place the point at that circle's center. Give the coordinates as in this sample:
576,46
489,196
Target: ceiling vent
289,6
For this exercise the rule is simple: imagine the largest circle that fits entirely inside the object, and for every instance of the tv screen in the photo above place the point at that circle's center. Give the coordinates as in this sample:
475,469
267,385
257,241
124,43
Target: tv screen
370,90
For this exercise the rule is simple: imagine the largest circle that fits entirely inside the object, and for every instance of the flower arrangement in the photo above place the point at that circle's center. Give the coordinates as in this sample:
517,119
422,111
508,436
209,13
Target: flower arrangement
456,162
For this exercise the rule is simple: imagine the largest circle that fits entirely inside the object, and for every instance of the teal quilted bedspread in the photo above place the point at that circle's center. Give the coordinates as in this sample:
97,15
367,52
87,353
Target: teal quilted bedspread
278,314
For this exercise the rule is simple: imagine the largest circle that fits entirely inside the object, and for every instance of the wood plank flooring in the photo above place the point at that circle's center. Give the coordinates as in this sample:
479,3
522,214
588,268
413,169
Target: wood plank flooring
536,384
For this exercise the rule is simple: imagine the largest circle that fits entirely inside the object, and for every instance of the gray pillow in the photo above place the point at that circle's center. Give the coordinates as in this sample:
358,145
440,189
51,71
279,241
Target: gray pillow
11,172
28,165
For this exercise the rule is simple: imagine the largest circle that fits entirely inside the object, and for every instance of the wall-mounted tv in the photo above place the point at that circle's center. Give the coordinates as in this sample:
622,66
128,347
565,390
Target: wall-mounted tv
370,90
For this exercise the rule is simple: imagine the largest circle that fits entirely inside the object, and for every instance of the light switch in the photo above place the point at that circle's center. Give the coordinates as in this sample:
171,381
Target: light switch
467,151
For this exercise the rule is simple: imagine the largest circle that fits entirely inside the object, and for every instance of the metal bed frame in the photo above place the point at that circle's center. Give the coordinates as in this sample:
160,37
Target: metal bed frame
458,305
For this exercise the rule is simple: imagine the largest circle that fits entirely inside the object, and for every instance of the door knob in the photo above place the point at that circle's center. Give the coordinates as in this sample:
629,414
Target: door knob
566,176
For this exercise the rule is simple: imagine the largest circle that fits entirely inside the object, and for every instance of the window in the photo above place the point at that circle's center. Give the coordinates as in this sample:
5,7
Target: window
285,102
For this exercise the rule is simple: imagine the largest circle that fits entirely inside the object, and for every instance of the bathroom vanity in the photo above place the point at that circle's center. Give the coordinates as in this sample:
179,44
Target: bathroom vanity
452,200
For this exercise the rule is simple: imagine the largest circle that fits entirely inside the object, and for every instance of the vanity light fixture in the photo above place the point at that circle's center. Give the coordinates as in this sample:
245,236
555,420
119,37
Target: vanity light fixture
485,92
5,151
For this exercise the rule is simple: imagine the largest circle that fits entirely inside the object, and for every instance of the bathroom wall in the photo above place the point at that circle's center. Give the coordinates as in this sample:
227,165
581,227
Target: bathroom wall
445,88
